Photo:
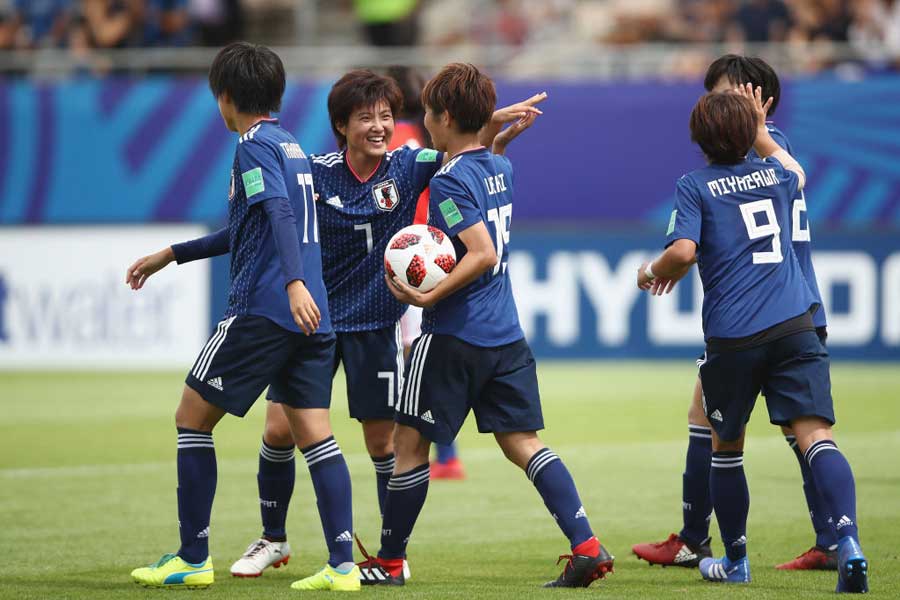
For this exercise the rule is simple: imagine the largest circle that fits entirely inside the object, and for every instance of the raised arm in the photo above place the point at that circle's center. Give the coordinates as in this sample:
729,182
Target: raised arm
765,145
510,114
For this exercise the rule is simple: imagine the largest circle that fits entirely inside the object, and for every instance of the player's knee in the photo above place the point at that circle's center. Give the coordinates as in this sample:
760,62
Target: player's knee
696,416
195,413
519,447
379,437
278,434
410,448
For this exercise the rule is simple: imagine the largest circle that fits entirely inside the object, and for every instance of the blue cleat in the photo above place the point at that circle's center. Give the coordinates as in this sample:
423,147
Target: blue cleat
722,570
853,568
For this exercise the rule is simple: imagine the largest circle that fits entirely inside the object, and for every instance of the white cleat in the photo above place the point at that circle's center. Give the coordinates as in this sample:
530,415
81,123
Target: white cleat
259,556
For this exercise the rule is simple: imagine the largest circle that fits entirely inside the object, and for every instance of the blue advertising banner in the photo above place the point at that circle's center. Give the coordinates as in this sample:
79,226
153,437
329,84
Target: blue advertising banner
577,296
155,149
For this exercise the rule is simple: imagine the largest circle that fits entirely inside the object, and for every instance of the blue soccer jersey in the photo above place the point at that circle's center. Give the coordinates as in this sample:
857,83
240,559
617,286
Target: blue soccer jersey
476,187
269,163
800,236
357,218
739,216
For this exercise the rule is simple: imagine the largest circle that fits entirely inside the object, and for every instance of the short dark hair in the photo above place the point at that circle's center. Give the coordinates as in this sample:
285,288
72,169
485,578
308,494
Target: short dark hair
251,75
463,91
360,88
745,69
411,83
724,126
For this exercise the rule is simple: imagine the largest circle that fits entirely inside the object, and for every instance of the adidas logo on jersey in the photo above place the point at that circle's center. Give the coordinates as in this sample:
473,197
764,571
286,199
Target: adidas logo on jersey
204,533
335,201
843,522
716,415
215,382
580,513
426,416
344,537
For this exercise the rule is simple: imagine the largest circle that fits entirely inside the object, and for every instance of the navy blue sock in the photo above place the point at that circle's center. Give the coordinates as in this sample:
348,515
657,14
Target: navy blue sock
384,468
445,452
275,479
196,490
834,480
731,499
555,485
696,505
406,494
331,481
818,512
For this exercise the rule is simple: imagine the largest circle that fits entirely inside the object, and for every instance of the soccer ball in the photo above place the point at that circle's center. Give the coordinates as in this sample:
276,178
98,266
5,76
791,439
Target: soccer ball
421,256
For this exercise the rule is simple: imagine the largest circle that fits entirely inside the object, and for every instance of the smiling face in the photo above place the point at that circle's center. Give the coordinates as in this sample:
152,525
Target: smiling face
369,129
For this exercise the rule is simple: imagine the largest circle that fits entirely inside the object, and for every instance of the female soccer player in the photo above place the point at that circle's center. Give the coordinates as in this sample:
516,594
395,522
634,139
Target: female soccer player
692,543
472,354
365,195
276,331
731,218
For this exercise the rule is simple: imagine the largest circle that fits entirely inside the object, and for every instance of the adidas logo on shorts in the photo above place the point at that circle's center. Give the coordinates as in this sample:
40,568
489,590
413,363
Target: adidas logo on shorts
344,537
716,415
215,382
426,416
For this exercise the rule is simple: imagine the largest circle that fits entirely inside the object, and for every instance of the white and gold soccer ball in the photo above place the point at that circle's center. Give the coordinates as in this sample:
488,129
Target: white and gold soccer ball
421,256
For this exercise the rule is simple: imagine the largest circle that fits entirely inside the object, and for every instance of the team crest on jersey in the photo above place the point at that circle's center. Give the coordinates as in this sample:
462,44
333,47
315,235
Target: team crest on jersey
386,195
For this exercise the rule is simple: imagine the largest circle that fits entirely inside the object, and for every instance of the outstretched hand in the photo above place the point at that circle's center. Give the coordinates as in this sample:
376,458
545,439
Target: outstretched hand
519,110
138,273
759,107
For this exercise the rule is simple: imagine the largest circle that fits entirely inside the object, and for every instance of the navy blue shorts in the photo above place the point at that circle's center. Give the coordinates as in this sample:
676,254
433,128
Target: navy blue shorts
248,353
373,366
792,371
446,377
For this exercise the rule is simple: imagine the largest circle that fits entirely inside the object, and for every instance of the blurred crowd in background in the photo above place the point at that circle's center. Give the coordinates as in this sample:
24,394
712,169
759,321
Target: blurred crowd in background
869,28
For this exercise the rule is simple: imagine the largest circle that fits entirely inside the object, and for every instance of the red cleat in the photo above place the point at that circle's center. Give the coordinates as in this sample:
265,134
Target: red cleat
452,469
814,559
673,552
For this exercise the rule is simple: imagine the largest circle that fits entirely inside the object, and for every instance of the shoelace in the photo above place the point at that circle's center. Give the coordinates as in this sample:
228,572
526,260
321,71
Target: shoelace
673,538
255,548
370,561
162,560
569,564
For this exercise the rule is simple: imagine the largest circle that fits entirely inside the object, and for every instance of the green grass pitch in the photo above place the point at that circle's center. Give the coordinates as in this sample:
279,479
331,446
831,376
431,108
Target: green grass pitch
87,490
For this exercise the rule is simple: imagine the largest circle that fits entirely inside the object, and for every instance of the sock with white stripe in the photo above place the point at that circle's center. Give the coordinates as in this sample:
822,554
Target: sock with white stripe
331,481
196,490
696,505
731,499
834,480
818,512
384,468
277,469
556,486
406,494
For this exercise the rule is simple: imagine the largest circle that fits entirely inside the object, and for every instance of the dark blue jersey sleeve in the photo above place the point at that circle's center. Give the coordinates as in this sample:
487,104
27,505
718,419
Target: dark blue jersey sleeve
287,243
687,218
425,162
453,208
780,138
214,244
261,172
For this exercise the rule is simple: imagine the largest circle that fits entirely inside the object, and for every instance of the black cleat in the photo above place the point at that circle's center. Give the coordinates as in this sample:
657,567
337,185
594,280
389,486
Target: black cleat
377,571
582,571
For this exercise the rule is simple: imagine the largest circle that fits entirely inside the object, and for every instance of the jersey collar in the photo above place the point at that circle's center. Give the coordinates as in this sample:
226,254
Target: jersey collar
355,174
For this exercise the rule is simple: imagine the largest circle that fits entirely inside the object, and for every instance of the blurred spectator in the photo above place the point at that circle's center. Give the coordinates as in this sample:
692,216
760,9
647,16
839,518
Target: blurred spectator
764,20
166,23
389,22
217,22
36,23
114,23
875,30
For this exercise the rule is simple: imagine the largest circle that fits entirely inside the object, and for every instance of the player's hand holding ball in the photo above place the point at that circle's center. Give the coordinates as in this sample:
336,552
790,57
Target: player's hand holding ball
303,308
416,260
